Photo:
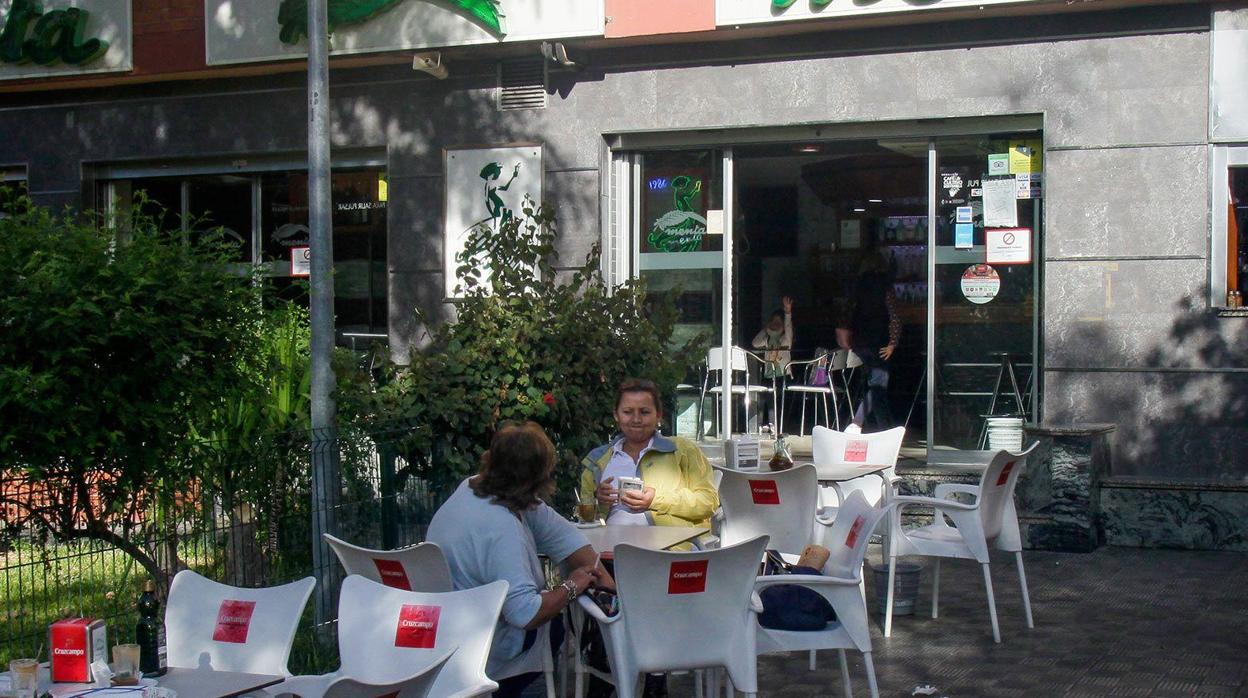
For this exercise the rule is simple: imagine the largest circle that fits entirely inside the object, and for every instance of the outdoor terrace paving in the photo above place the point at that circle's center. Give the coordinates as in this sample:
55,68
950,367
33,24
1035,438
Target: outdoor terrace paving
1116,622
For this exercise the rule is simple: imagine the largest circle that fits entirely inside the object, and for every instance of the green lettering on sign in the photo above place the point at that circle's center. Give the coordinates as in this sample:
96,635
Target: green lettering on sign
784,4
56,36
292,15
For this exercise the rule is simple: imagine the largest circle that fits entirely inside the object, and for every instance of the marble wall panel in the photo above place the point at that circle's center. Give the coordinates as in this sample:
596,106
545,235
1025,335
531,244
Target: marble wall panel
1127,202
1135,314
1180,426
1164,518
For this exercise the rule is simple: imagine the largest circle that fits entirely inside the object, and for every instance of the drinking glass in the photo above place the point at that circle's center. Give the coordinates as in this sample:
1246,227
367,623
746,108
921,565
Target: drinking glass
126,660
24,674
587,513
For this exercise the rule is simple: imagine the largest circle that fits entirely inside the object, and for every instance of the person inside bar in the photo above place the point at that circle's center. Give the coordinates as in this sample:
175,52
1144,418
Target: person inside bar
874,331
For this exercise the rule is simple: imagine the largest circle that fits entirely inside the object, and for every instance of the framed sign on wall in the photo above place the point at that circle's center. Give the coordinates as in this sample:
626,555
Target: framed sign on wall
484,187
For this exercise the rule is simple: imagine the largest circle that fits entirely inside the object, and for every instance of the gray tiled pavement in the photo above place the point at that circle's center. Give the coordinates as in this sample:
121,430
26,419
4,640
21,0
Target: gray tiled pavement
1116,622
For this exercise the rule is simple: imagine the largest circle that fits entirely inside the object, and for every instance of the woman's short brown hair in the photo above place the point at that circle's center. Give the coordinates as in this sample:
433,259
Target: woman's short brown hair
518,469
639,385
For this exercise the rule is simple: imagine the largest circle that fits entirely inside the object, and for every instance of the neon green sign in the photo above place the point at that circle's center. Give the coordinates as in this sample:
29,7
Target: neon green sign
292,15
56,35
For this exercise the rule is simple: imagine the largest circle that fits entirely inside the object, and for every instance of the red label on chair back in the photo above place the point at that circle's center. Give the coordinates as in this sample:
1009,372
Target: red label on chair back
1005,473
855,530
856,452
392,574
418,626
764,492
233,621
687,577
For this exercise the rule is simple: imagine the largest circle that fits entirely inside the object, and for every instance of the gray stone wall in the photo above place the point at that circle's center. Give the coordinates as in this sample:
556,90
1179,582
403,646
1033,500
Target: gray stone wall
1127,334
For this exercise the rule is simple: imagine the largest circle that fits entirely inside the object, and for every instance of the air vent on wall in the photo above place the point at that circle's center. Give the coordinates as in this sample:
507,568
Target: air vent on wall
522,84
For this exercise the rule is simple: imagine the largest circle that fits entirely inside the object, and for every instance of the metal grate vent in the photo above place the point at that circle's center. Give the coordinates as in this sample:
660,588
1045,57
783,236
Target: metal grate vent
522,84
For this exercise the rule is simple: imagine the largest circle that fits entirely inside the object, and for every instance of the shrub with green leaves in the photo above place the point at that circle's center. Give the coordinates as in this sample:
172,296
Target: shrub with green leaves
114,339
530,343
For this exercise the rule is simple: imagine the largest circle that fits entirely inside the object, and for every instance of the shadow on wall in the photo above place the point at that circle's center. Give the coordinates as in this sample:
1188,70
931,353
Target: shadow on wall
1184,416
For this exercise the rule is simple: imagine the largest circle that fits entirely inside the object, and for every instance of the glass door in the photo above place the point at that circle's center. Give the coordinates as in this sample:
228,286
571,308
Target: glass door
982,342
683,237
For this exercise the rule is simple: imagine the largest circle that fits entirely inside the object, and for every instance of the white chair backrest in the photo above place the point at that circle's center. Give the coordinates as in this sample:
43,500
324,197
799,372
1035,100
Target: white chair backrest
847,542
715,359
420,567
833,450
227,628
780,505
687,609
996,487
852,360
384,632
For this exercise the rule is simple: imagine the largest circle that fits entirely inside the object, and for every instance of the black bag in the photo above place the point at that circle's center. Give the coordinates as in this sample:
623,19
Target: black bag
792,606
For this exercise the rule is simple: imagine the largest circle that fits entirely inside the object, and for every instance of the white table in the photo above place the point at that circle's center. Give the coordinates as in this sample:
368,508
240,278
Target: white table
187,683
605,538
845,472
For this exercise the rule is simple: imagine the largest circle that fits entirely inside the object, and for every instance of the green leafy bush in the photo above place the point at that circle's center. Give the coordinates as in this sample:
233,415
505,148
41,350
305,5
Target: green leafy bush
530,343
114,338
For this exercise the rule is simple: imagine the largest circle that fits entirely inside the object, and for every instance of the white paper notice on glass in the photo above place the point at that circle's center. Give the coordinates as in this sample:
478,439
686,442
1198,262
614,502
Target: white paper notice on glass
1008,246
715,221
301,261
1000,203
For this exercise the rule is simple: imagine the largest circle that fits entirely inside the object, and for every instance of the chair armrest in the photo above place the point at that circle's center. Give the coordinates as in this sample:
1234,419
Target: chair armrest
806,580
945,489
587,604
825,519
949,505
756,602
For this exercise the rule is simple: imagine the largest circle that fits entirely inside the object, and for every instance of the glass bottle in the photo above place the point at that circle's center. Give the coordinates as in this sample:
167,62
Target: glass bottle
781,459
150,633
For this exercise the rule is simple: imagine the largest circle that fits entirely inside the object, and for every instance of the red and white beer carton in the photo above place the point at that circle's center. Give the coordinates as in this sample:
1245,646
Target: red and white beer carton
75,643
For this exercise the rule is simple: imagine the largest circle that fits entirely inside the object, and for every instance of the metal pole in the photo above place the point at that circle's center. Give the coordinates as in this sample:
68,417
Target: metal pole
324,446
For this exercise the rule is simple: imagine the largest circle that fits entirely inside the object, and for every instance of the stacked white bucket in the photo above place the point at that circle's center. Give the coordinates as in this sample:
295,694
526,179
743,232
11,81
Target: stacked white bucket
1005,433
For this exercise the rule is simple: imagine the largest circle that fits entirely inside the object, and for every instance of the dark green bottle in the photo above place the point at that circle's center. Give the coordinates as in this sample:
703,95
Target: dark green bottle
150,633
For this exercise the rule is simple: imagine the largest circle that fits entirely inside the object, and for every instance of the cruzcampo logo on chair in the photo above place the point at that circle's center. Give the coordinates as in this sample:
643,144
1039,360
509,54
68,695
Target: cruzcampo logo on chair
292,15
31,35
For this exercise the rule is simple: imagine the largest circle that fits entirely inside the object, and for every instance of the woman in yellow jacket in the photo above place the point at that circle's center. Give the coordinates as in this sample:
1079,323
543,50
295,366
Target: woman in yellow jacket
676,476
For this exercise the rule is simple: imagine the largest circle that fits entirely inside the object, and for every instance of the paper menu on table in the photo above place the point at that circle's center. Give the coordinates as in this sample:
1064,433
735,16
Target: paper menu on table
1000,203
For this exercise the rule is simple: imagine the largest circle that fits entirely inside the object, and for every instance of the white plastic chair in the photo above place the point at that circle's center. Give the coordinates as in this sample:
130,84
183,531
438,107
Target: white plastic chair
683,611
739,364
420,567
780,505
990,521
384,632
834,450
227,628
841,586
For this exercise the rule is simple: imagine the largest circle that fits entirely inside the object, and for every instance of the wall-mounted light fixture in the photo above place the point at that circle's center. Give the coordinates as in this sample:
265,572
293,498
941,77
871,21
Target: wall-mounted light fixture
430,62
556,52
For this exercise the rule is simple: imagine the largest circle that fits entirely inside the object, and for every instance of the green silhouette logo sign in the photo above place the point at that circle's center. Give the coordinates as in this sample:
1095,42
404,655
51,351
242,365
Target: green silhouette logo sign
31,35
292,15
680,230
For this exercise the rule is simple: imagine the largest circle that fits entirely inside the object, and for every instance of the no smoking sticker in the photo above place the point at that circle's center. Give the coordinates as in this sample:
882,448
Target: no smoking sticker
1008,245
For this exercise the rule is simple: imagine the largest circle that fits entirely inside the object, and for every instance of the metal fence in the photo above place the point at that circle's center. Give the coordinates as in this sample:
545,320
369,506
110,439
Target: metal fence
259,526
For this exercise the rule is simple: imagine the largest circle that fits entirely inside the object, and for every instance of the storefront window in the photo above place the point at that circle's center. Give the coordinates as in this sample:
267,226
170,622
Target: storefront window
1237,236
278,231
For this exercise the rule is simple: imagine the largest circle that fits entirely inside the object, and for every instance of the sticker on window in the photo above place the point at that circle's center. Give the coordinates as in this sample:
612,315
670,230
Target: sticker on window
855,530
687,577
764,492
392,574
233,621
856,452
418,626
1005,473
